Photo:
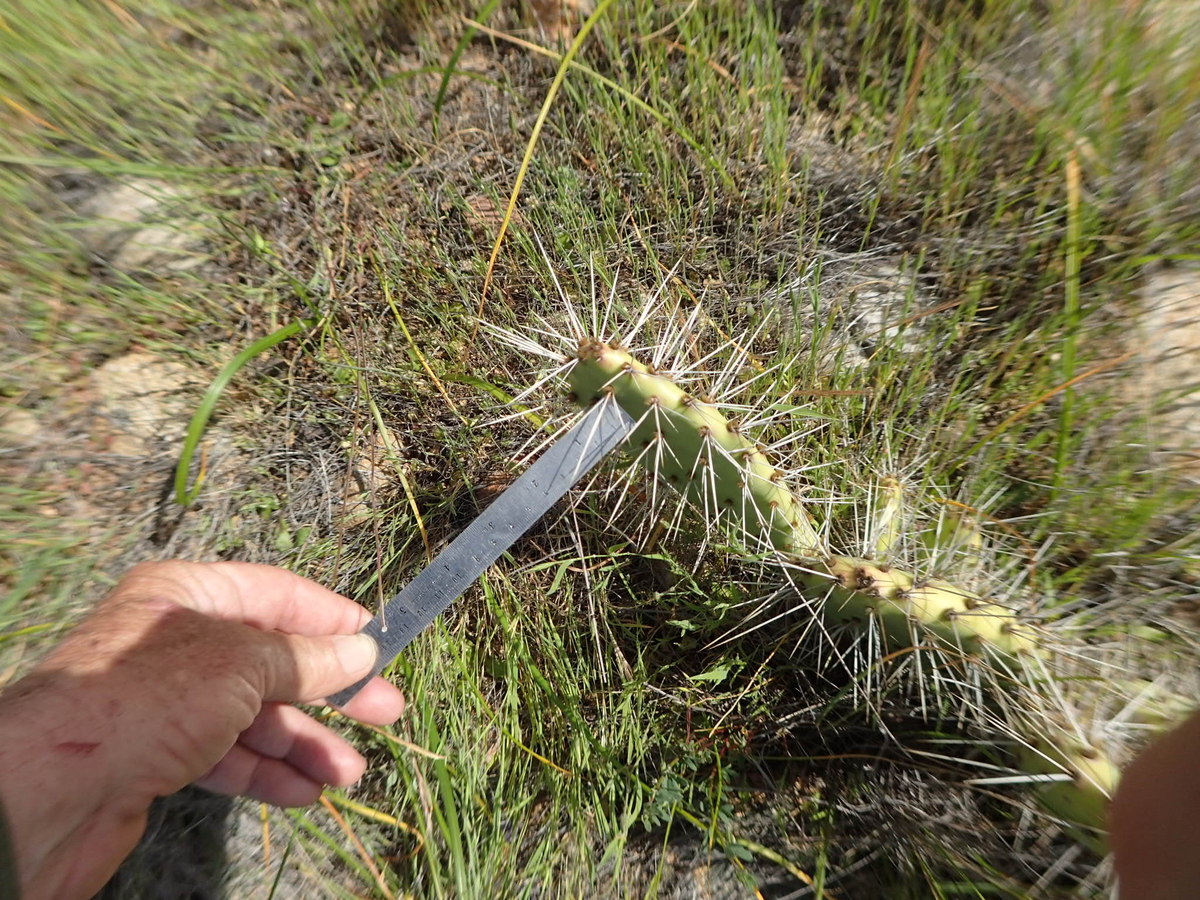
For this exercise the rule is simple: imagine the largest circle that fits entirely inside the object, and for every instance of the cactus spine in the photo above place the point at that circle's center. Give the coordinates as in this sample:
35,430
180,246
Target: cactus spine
694,448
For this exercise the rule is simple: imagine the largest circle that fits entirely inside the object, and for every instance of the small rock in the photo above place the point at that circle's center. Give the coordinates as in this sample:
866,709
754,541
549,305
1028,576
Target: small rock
18,428
158,246
141,399
856,305
371,470
133,228
485,217
558,19
1167,383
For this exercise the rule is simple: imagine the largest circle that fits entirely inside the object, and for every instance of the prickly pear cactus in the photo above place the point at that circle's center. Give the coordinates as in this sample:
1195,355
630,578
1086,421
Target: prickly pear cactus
688,443
692,446
1087,782
905,607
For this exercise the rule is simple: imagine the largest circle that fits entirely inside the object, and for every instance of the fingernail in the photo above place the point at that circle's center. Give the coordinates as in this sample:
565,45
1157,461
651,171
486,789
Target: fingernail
356,652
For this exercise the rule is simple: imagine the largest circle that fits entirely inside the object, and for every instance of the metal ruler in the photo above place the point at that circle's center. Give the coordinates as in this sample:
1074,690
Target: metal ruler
480,544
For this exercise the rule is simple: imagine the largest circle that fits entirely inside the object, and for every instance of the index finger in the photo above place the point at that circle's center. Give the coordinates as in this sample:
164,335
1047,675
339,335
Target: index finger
266,597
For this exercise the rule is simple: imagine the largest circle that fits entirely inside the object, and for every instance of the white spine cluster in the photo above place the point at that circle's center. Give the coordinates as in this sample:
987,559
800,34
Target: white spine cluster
701,438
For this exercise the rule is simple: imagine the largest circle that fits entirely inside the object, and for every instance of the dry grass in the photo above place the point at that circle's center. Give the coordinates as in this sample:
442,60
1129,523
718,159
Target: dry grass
1001,179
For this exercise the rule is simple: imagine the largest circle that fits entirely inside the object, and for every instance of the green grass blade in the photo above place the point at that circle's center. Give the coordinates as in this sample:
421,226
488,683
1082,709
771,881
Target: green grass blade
452,64
563,67
184,496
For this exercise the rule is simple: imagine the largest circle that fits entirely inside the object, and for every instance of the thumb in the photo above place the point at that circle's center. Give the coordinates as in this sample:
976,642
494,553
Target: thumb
303,668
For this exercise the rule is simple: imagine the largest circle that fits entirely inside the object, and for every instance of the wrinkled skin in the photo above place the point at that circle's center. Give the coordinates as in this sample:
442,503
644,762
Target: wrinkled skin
183,674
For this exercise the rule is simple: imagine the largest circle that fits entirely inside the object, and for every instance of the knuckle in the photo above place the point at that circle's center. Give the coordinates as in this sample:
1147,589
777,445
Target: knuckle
147,580
164,568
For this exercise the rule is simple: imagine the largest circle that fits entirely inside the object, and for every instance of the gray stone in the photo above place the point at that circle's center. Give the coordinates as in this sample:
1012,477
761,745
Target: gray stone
1167,377
18,428
135,225
141,399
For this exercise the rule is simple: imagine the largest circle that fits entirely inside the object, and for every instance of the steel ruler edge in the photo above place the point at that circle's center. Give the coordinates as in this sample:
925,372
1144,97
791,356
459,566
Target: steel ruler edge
515,511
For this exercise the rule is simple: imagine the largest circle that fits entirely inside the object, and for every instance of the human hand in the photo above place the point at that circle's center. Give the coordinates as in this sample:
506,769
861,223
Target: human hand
182,674
1156,819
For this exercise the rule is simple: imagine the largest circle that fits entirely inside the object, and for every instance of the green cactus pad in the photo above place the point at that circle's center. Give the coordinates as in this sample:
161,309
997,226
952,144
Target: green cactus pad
863,590
690,445
1084,799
